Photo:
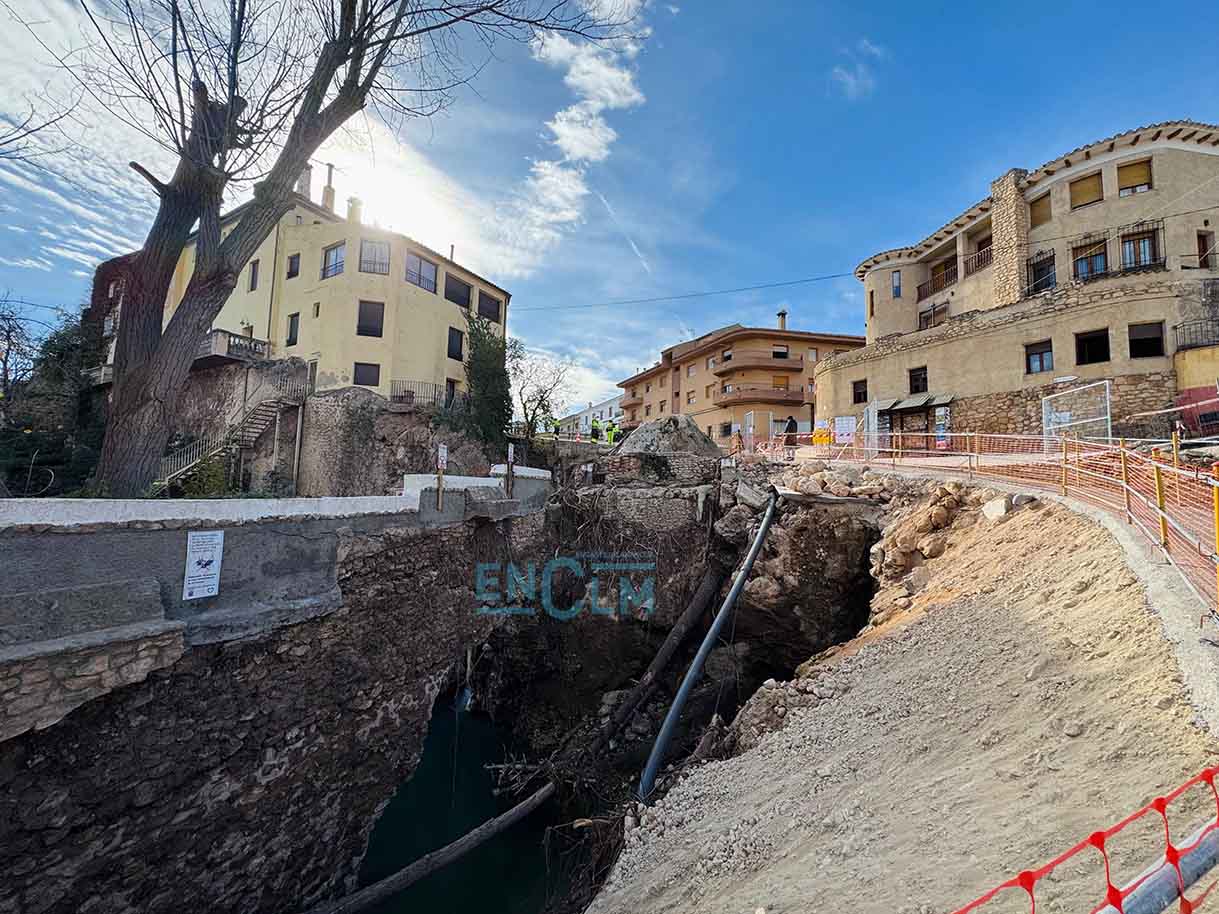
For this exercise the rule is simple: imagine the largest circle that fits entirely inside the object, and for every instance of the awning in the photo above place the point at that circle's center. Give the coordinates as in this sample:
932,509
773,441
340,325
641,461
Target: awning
914,402
883,405
940,400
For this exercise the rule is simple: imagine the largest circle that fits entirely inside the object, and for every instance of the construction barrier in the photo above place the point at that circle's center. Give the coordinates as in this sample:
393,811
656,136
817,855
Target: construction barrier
1168,879
1176,507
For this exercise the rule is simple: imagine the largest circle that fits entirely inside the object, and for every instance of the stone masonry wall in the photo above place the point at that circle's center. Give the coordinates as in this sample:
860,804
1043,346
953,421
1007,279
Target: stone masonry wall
1009,217
1018,412
248,775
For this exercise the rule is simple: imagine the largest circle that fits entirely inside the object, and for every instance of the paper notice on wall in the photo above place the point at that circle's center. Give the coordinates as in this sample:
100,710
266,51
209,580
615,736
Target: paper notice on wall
204,553
844,429
511,453
442,457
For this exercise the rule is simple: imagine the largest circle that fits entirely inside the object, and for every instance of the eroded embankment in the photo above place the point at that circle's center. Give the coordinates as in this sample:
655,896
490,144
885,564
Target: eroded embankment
1014,694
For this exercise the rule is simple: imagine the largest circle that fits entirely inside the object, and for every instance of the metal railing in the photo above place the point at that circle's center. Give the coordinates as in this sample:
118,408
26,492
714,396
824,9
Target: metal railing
1198,333
1041,273
427,393
759,392
939,282
979,260
1210,291
759,358
233,345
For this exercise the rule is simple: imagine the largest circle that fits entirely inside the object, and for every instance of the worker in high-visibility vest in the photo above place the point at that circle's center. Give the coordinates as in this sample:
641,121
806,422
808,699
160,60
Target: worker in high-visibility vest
611,432
596,429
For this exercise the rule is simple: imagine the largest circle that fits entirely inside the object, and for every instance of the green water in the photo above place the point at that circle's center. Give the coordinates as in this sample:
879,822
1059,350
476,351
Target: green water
449,794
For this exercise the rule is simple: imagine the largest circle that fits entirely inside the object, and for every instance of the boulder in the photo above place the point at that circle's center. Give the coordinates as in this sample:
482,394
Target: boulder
996,508
678,434
734,525
751,496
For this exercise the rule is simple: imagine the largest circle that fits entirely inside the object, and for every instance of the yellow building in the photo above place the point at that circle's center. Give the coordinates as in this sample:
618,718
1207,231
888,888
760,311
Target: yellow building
735,379
361,305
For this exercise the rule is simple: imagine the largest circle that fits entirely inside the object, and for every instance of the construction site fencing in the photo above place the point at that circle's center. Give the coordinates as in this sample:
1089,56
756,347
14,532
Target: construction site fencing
1173,876
1176,507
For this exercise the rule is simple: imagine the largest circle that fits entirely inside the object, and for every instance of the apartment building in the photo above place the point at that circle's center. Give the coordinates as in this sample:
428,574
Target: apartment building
750,380
581,422
1100,264
361,305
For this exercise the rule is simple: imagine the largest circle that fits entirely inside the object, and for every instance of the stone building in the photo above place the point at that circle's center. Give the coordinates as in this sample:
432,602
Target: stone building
734,379
1099,265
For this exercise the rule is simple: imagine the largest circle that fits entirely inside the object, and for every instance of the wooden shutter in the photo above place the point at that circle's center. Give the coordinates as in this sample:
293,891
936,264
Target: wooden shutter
1134,174
1086,190
1039,211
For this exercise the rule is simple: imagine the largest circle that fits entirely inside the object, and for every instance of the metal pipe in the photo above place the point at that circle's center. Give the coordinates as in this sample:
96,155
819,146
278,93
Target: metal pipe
1160,889
647,783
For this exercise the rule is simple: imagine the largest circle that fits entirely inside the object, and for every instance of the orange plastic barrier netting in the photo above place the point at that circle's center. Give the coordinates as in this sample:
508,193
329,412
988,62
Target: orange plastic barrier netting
1115,896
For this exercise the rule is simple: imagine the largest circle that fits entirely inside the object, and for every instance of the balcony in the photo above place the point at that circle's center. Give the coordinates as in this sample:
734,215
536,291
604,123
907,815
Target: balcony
758,393
221,344
1197,334
758,358
630,400
99,375
938,282
979,260
427,393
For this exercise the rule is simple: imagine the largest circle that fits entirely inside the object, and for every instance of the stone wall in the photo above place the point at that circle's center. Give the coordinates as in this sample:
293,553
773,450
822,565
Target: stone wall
1010,237
248,775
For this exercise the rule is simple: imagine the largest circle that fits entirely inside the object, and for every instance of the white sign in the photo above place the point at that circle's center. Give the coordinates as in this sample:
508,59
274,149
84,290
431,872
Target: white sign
204,553
442,457
511,453
844,429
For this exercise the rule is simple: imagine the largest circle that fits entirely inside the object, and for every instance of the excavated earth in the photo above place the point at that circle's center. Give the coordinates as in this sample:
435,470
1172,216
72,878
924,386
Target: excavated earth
1011,693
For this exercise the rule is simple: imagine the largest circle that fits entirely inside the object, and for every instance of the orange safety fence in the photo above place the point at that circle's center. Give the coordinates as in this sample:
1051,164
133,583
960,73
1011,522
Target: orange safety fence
1175,507
1115,899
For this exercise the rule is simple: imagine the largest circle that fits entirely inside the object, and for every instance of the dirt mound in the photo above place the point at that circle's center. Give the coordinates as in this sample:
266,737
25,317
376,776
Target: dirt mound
670,435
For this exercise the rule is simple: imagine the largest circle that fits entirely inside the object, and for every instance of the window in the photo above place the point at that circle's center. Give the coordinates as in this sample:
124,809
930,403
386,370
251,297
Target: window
859,391
779,351
1041,273
488,306
317,309
332,259
294,326
663,378
371,318
871,303
690,370
374,256
294,266
1146,340
662,406
450,392
1092,347
1206,250
366,374
456,291
1039,211
1090,260
1086,191
690,397
708,391
1133,178
647,409
710,362
112,288
918,380
897,283
1038,357
455,344
725,429
933,316
313,376
726,355
1140,250
253,275
420,272
647,388
778,382
812,353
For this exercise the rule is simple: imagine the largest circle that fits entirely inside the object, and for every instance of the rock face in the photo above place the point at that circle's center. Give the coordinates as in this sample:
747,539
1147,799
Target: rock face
671,435
248,776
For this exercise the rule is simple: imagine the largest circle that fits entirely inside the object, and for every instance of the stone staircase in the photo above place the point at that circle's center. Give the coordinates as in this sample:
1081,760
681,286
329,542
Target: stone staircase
241,433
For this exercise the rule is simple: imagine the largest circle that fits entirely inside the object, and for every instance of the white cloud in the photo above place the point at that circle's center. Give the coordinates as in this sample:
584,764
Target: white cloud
582,134
674,10
856,79
27,263
70,254
17,228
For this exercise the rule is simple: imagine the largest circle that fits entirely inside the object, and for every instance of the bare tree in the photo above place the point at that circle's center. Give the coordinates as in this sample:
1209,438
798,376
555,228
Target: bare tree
17,350
246,91
540,384
19,138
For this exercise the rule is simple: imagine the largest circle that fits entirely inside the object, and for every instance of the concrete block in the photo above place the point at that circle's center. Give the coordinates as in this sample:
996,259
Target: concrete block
60,612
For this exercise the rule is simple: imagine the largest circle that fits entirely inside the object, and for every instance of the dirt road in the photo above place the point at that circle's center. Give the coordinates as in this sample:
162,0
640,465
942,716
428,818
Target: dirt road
1025,699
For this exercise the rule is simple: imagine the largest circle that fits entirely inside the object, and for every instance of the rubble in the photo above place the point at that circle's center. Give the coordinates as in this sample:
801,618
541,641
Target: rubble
677,434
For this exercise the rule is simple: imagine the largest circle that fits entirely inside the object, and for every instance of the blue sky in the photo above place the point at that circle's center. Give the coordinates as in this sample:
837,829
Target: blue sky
728,149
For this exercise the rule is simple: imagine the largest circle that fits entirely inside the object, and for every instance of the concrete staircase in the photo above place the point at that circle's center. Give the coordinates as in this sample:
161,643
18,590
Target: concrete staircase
241,433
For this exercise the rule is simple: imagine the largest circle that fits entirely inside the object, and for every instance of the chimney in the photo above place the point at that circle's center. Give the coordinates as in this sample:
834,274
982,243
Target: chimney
328,190
783,319
354,210
304,183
